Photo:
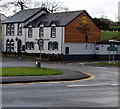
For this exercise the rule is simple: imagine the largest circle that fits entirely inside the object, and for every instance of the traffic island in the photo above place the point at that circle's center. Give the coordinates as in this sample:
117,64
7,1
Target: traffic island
68,75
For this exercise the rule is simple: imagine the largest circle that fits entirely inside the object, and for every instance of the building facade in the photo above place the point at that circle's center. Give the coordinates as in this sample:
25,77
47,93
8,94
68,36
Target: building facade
68,33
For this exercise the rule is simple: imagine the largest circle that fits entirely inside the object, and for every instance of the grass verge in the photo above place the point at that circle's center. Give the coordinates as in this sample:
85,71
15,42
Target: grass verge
107,63
105,35
28,71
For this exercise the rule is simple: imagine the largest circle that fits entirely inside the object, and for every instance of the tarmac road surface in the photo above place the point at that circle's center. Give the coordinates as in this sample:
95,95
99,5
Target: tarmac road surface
102,91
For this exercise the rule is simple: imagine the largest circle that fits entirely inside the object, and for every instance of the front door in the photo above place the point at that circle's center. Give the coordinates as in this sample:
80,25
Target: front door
19,46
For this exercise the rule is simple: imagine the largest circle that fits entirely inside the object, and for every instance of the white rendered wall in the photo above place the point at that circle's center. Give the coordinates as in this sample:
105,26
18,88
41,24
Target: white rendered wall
21,37
47,38
80,48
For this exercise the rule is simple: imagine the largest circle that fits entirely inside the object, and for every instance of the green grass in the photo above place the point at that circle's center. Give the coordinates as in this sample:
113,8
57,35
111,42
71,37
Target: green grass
28,71
110,35
107,63
114,27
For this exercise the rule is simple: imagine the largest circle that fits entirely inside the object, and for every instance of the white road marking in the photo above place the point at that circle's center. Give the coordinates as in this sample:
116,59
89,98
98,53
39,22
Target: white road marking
102,68
94,85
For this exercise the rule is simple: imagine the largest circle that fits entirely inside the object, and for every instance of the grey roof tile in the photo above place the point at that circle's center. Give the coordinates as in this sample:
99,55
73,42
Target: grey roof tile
22,15
63,18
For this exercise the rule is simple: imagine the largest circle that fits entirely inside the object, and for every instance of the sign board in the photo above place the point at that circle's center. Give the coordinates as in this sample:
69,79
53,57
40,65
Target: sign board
112,48
40,42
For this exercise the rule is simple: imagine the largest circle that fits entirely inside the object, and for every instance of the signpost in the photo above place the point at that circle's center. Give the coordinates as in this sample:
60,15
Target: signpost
40,43
112,48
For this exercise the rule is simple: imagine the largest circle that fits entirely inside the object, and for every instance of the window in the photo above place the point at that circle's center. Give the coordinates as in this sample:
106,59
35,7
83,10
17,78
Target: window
27,45
12,45
50,46
53,32
55,45
8,29
41,32
30,32
19,29
7,45
12,29
32,45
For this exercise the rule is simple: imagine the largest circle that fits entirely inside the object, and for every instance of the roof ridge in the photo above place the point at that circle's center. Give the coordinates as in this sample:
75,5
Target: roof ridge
68,11
32,9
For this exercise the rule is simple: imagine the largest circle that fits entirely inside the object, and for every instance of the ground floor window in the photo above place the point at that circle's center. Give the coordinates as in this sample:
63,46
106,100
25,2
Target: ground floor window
10,45
30,45
52,45
55,45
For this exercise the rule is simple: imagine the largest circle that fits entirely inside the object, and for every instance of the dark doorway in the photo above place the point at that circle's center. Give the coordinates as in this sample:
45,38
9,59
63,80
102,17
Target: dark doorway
19,46
86,38
67,50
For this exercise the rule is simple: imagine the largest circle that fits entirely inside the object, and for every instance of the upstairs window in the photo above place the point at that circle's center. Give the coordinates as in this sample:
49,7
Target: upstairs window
53,32
41,32
19,29
10,29
8,26
30,32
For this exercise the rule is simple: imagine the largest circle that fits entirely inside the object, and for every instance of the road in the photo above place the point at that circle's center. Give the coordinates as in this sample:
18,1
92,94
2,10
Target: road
102,91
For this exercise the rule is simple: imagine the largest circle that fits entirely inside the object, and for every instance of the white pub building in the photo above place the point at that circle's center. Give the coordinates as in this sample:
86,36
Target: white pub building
72,34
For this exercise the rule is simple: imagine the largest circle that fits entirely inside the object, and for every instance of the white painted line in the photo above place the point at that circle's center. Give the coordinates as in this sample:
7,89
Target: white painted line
102,68
94,85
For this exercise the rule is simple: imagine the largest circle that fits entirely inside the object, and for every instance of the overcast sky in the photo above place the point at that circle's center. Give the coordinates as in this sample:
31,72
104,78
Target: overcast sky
96,8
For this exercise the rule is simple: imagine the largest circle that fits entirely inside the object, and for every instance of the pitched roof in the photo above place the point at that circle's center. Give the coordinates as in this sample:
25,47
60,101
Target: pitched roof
62,18
23,15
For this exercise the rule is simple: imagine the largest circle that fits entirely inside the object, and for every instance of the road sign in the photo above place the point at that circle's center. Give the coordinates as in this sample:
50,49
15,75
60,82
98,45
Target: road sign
40,42
112,48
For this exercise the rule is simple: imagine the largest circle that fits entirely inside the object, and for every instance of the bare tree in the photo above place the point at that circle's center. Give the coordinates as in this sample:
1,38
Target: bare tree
19,3
51,6
16,5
